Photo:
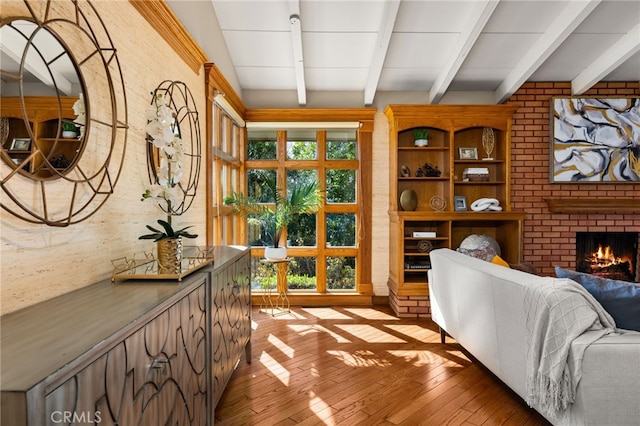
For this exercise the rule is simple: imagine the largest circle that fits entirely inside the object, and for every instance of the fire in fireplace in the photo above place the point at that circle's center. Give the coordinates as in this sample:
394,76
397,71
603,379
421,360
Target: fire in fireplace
608,254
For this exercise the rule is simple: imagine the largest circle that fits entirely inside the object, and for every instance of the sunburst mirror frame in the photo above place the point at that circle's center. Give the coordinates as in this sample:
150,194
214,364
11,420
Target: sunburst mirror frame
73,196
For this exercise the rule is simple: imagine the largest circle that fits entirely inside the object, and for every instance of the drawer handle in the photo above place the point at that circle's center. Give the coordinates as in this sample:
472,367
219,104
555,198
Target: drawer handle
235,289
160,363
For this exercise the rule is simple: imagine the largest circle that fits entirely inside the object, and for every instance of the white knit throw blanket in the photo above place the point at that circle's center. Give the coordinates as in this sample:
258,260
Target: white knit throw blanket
558,311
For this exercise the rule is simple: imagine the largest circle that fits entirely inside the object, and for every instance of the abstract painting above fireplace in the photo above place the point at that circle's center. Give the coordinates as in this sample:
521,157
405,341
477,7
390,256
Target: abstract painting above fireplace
611,255
595,140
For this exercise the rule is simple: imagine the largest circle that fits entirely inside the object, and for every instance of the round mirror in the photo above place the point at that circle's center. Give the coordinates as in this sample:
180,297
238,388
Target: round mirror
43,117
63,119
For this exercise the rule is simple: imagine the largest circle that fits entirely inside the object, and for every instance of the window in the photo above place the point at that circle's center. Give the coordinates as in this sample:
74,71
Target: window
324,248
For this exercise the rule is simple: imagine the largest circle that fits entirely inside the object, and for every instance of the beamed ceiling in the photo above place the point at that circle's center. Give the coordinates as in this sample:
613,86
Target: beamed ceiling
433,47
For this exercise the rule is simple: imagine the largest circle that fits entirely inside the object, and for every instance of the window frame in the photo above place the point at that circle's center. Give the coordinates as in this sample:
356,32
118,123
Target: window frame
362,206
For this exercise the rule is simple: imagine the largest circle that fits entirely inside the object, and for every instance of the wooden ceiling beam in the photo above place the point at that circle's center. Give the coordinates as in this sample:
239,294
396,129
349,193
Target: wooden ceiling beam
561,28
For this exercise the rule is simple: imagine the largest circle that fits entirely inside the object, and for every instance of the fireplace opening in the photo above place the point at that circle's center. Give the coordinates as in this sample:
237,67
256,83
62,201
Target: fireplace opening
608,254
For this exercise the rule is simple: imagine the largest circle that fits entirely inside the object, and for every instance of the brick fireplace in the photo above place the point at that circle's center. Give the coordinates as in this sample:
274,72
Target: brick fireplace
549,236
608,254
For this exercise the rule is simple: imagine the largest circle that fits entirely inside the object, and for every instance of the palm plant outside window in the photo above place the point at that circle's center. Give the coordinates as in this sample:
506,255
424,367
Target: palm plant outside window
323,246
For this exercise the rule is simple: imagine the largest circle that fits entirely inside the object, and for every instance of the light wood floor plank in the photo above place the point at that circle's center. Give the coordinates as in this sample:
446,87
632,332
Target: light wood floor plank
362,366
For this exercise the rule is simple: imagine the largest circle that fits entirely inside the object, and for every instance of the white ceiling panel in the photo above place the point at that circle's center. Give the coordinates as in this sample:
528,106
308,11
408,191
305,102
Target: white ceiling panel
407,79
524,16
575,54
419,50
432,46
340,16
253,49
257,78
433,16
500,50
244,15
338,50
612,17
628,71
332,79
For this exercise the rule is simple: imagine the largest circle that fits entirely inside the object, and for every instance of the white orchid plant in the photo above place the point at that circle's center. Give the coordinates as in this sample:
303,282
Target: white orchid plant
163,135
79,111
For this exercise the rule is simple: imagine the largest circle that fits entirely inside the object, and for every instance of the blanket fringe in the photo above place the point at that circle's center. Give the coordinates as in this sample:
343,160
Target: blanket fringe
550,396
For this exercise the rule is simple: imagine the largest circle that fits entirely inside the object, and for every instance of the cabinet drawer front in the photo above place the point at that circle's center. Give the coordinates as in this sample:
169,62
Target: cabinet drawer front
231,321
157,375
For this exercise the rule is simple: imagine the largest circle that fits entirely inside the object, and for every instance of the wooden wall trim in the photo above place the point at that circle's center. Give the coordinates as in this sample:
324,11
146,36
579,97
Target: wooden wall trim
314,114
216,81
165,22
593,205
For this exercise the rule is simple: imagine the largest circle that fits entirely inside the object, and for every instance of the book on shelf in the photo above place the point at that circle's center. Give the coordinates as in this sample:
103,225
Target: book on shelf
424,264
424,234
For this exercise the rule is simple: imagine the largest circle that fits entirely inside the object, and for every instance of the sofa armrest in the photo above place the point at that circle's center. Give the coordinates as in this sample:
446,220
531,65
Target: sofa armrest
609,390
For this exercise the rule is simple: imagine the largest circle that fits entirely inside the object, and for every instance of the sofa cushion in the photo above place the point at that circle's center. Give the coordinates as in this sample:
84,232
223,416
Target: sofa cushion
620,298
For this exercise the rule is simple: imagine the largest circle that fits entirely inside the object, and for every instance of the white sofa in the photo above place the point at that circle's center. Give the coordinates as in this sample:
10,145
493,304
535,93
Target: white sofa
481,305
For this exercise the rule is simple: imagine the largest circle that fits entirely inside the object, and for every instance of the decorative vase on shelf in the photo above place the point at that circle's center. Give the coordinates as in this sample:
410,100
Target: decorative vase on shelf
408,200
69,134
275,253
169,255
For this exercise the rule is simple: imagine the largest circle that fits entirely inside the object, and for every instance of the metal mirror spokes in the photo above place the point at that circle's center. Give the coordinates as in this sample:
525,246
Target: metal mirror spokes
66,76
186,126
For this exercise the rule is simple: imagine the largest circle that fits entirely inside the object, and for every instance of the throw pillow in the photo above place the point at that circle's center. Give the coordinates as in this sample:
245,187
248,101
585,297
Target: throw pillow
484,251
499,261
525,267
620,298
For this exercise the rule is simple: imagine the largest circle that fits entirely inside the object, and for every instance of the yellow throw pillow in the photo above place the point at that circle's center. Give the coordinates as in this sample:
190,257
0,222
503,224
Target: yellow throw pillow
499,261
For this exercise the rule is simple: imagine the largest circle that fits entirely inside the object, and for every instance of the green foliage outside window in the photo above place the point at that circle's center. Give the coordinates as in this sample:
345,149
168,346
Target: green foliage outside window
341,150
340,186
341,273
262,150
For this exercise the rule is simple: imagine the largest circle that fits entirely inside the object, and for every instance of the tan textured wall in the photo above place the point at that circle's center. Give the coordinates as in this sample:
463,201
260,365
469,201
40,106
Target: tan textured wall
39,262
380,205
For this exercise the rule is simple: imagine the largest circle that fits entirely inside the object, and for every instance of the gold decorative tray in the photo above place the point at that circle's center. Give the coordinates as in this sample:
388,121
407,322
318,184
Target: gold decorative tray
194,258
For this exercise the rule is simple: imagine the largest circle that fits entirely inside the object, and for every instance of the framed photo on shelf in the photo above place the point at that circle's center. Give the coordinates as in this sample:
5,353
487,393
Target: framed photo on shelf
468,153
20,144
459,203
594,140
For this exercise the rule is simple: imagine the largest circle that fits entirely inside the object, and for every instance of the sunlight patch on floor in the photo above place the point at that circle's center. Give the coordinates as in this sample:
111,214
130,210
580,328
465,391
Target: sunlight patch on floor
360,358
282,346
369,333
326,313
278,371
414,331
309,329
371,314
418,358
321,409
459,354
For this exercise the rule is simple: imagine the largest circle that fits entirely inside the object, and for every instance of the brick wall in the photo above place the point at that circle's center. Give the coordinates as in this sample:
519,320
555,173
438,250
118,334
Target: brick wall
549,238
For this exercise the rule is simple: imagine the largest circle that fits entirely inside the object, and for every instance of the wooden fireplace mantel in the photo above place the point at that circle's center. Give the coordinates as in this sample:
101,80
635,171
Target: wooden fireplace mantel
593,205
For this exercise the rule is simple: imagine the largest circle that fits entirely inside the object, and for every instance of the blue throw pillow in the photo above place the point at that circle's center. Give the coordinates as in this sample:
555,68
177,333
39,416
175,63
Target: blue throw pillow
620,298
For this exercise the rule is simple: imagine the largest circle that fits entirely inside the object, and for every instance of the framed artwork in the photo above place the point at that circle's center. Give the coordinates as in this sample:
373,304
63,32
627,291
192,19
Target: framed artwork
20,144
468,153
459,203
595,140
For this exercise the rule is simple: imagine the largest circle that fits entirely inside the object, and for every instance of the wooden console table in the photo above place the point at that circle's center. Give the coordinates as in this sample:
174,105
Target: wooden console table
135,352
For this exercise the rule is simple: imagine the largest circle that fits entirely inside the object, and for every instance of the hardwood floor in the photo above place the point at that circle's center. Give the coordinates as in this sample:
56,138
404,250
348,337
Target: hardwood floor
362,366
